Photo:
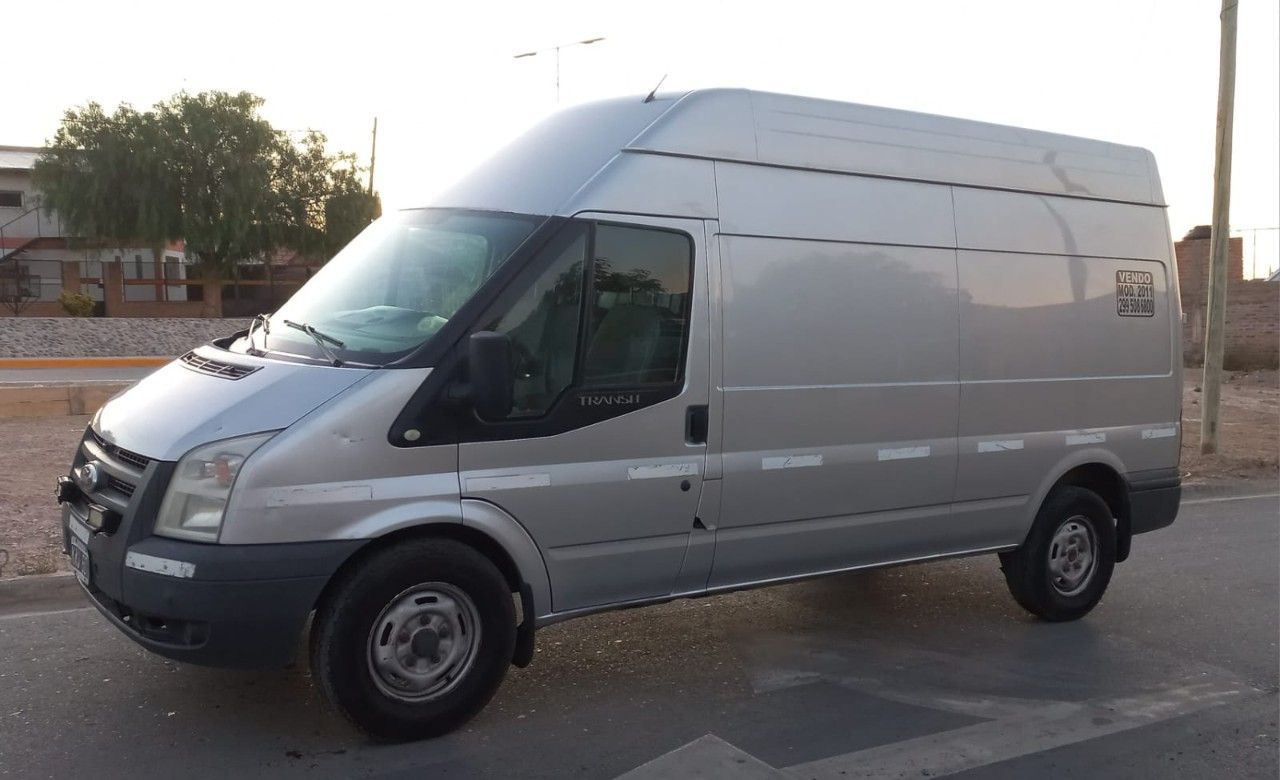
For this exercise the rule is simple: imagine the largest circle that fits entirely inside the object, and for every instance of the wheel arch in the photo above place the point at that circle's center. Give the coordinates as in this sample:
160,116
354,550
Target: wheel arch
1102,473
489,531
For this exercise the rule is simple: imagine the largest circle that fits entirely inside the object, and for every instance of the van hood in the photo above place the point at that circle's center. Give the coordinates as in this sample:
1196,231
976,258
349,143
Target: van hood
180,406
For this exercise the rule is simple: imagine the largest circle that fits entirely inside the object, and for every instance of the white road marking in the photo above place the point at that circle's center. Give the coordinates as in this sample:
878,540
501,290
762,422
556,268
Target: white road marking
1051,725
706,757
1229,498
1055,726
42,613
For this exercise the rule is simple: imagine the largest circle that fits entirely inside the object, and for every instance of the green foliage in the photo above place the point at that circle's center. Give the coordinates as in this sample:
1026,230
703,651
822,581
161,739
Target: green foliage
77,304
206,169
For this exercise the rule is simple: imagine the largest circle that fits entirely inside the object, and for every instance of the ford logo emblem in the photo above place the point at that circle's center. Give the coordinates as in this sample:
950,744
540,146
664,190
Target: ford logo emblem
88,477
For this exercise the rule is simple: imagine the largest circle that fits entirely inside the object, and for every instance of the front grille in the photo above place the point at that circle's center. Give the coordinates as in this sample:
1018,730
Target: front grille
120,486
120,453
216,367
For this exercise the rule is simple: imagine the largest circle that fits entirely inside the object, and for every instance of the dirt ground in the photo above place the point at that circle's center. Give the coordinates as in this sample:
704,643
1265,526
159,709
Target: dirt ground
33,452
1249,438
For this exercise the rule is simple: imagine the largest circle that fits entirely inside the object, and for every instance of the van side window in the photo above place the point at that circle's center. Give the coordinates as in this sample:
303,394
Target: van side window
543,326
638,308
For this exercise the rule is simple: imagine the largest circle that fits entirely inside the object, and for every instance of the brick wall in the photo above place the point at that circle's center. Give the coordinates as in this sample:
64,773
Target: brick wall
1253,308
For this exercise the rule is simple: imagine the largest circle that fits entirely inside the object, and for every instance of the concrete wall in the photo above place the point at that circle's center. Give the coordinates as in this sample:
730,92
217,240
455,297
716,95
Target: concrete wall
56,400
35,337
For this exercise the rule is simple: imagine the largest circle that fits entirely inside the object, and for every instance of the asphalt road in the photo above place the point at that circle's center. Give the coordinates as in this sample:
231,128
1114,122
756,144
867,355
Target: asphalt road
916,671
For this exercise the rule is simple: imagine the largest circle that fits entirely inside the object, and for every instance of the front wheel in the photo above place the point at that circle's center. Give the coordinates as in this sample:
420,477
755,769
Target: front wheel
415,639
1062,569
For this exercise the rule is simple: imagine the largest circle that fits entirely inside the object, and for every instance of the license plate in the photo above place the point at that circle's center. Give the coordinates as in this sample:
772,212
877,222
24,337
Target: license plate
80,561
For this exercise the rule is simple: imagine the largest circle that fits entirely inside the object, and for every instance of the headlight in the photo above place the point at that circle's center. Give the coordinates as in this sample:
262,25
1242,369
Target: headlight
197,496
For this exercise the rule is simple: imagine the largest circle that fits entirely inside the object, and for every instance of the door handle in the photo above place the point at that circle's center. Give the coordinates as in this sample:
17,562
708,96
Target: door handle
696,420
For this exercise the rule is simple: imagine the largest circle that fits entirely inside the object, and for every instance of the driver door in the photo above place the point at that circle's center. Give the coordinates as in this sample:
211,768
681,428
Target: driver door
603,455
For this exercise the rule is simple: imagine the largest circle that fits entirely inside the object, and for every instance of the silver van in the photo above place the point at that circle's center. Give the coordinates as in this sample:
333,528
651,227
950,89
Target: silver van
657,348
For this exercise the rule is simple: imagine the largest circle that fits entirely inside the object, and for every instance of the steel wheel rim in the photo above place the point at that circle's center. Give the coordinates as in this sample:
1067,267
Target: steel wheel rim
424,642
1073,556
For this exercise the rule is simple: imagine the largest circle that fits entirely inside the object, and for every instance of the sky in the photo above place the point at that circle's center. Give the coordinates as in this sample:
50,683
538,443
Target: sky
447,91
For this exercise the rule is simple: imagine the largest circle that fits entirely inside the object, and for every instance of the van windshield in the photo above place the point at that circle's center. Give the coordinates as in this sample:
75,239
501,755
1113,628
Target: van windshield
395,285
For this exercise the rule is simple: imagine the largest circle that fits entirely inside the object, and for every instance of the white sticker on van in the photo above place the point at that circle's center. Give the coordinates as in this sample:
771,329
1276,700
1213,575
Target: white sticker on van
1159,433
663,471
166,566
1135,294
512,482
1000,445
319,494
790,462
903,453
1085,438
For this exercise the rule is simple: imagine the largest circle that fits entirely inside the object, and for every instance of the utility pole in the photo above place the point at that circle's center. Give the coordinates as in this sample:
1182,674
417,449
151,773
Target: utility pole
1220,238
373,155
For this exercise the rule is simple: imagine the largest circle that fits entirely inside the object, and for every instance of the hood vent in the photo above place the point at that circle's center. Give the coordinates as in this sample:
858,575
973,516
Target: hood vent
216,367
120,453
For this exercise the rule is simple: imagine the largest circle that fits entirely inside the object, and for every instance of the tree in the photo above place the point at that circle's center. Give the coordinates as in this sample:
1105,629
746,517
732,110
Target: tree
222,161
108,178
323,204
206,169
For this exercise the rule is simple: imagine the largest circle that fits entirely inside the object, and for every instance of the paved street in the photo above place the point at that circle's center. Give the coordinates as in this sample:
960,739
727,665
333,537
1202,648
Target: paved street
910,672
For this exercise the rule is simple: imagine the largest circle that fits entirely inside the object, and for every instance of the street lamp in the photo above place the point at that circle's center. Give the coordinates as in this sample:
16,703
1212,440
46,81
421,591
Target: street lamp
557,49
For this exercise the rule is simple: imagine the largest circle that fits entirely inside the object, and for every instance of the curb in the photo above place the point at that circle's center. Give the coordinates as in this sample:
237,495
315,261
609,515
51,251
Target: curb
40,592
138,361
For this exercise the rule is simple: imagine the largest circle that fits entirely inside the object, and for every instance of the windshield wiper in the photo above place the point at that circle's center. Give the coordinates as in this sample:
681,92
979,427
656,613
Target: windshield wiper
320,339
259,321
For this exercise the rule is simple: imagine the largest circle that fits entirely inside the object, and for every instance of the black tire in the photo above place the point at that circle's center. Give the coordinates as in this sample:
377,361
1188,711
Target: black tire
341,655
1029,572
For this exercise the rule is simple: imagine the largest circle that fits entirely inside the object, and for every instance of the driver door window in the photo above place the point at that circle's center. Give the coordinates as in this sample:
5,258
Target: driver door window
543,326
621,320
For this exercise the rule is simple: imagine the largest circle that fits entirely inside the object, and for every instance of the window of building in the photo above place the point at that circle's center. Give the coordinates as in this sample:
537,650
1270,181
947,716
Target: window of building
45,278
10,199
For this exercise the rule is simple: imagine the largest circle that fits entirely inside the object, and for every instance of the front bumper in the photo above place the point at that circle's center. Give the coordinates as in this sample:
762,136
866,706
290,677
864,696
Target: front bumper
240,606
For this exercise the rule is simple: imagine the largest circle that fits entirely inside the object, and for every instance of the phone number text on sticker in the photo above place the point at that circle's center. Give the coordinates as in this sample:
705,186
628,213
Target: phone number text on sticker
1135,294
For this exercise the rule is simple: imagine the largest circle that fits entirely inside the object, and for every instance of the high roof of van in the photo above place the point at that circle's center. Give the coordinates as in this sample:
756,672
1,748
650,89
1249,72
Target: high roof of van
543,169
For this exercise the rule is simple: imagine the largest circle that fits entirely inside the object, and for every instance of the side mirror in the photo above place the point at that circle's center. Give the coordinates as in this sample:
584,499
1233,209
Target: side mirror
492,377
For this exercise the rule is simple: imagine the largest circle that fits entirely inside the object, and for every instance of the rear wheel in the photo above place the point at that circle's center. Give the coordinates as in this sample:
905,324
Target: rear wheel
1063,568
415,639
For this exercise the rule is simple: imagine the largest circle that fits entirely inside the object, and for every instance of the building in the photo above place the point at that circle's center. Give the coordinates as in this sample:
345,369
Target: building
1252,337
39,260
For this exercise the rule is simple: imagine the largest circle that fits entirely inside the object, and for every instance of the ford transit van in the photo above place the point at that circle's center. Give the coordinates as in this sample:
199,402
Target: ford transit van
657,348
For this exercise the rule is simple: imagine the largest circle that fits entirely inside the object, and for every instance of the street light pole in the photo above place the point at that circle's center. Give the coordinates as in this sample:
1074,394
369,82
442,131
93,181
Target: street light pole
557,49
